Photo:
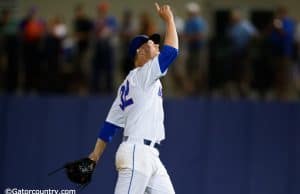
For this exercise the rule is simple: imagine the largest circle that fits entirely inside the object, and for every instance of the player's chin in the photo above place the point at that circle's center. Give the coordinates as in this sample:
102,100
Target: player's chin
152,57
156,54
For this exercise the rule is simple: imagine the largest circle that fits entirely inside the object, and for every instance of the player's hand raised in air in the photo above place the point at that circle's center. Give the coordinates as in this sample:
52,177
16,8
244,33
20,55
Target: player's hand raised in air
164,12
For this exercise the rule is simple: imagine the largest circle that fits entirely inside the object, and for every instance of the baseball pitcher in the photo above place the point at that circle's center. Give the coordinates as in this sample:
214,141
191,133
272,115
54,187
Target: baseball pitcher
138,109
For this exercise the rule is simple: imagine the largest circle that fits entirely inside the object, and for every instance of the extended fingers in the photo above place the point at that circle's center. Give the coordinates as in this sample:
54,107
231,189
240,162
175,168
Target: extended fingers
165,7
157,6
161,8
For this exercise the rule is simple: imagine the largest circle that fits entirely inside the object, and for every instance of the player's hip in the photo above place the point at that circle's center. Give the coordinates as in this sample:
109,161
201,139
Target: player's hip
137,156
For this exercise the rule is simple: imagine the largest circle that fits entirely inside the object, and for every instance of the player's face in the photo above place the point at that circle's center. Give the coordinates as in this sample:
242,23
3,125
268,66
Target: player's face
150,49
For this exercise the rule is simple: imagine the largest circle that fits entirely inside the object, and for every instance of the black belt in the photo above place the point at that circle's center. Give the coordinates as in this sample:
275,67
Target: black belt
146,142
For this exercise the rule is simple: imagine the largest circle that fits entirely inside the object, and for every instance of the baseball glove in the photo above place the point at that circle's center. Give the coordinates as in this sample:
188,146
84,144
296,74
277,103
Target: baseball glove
79,171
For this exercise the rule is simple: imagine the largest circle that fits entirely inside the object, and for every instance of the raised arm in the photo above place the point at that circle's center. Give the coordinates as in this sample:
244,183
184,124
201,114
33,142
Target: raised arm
171,37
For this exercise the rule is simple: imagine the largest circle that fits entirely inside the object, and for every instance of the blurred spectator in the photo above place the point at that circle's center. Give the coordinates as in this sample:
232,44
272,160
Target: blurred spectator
33,30
282,33
56,33
297,37
127,31
297,34
282,43
146,24
194,37
103,59
240,34
176,80
297,59
82,26
9,34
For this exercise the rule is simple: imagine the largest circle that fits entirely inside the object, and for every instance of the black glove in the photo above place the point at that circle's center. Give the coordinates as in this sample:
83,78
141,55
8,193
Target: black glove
79,171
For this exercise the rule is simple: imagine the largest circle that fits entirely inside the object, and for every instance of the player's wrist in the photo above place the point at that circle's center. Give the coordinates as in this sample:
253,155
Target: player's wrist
93,156
169,20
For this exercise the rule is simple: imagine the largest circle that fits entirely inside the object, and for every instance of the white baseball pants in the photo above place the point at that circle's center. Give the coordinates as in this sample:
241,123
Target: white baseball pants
140,170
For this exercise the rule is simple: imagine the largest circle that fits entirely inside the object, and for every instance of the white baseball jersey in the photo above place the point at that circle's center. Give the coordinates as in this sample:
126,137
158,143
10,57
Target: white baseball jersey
138,106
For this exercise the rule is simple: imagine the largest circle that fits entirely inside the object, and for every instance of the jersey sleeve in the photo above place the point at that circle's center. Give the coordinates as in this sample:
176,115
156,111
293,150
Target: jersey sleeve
115,114
157,67
114,121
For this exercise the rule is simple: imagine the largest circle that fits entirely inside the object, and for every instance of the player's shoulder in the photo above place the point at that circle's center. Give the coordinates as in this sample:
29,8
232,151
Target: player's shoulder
131,77
139,76
148,64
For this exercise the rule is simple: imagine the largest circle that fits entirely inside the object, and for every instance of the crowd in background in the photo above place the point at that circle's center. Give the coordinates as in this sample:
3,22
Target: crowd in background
240,60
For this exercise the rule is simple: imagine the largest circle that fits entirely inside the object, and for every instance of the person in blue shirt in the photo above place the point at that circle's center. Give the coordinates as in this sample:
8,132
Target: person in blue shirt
240,34
194,37
281,39
282,34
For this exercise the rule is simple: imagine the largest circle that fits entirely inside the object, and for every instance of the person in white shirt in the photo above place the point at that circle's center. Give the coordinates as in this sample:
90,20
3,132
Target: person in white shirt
138,110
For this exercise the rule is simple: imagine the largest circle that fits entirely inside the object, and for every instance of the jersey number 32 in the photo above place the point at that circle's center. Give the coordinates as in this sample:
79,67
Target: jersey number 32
124,94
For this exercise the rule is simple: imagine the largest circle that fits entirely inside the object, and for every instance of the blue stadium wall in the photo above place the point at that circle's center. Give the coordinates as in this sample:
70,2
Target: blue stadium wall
212,147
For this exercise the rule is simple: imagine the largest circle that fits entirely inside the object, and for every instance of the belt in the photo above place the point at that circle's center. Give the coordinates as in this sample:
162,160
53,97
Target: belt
144,141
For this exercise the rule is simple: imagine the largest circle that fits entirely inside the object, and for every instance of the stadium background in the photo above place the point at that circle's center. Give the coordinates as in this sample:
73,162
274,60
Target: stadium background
208,6
213,146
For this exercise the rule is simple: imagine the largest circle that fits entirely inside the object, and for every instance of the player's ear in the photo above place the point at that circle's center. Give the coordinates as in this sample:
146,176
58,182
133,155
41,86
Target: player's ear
140,51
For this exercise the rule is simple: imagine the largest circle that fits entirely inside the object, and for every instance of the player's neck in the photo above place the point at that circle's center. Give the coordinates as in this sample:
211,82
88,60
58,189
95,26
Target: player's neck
140,61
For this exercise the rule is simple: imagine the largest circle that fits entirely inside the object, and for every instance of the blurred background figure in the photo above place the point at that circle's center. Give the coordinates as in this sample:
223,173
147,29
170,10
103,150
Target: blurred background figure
297,59
56,33
146,24
240,35
177,75
194,38
10,49
127,32
82,26
281,39
33,31
105,30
